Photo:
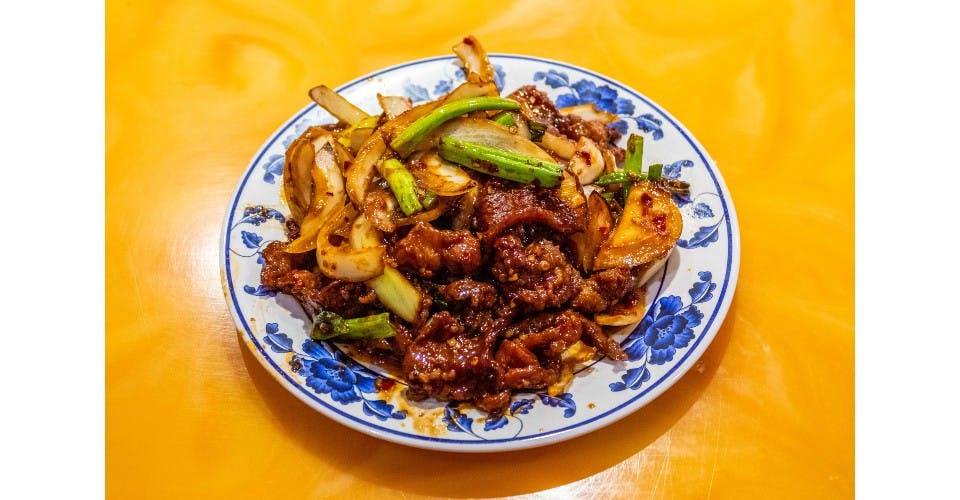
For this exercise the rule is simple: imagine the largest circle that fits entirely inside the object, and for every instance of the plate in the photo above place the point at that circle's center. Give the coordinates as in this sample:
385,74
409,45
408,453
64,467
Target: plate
686,303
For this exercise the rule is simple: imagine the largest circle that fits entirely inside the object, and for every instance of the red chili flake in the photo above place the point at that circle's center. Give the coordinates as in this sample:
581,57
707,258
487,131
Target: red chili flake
384,384
585,156
646,200
660,222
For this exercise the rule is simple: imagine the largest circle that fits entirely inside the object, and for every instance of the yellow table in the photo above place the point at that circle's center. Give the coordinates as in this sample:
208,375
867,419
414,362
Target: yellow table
195,87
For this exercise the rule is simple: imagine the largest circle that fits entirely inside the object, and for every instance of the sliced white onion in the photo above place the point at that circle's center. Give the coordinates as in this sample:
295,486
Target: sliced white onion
337,105
467,90
440,176
587,161
394,106
345,262
563,147
474,59
599,224
363,234
570,191
590,112
327,193
361,170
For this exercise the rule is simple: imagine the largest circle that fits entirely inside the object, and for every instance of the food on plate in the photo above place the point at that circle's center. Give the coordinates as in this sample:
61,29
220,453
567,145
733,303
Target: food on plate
477,244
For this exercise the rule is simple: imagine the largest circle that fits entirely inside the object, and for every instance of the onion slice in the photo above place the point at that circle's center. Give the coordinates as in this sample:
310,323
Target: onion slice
599,225
589,112
467,90
337,105
327,191
394,106
587,162
474,59
464,215
570,192
434,213
563,147
344,262
440,176
393,289
363,167
628,311
648,229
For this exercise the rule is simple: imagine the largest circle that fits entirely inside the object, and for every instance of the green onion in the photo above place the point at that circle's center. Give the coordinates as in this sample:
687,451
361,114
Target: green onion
328,325
406,141
402,184
537,130
618,177
505,119
427,197
397,293
655,171
633,161
500,163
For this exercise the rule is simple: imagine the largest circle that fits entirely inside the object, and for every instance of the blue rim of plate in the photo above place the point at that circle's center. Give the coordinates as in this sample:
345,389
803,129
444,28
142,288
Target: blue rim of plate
674,373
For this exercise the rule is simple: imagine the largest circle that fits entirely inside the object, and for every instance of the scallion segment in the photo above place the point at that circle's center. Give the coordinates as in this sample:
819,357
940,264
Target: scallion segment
500,163
537,130
633,161
618,177
328,325
405,142
402,184
655,171
505,119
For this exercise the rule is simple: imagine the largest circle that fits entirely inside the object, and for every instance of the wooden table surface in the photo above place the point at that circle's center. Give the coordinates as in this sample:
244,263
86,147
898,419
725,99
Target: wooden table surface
195,87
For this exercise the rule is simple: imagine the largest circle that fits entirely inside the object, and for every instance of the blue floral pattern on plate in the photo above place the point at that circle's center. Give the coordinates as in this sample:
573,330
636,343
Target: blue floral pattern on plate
333,373
678,325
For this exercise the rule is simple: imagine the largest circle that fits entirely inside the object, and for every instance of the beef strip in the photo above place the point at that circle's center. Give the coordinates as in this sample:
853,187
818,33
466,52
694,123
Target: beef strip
536,276
426,251
504,204
315,292
470,293
531,355
605,288
449,362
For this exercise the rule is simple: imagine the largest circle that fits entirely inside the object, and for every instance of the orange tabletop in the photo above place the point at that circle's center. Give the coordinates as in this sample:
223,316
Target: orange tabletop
195,87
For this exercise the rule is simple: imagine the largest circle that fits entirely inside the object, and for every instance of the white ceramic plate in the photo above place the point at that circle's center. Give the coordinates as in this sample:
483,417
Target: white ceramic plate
686,303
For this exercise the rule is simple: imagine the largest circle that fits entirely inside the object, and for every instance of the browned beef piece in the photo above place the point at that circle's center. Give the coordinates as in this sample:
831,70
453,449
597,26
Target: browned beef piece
315,292
538,103
447,362
531,357
470,293
534,277
277,265
593,335
605,288
426,251
504,204
572,126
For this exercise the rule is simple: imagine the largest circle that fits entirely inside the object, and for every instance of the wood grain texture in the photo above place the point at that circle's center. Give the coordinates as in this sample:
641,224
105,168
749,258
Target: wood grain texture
195,87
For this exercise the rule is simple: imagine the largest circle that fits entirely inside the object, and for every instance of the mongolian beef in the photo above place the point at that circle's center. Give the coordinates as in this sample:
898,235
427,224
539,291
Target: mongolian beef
476,242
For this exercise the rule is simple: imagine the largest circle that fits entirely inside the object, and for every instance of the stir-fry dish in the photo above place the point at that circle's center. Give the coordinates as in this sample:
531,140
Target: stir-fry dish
477,244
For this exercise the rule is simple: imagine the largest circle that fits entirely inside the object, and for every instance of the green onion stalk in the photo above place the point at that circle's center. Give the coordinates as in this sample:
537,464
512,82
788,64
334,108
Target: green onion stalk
500,163
407,140
402,184
328,325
